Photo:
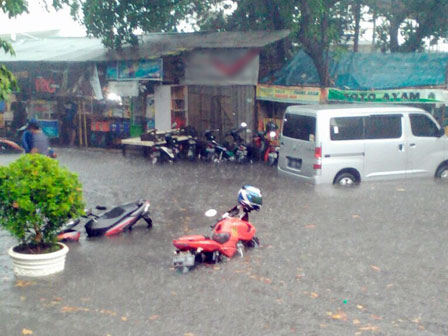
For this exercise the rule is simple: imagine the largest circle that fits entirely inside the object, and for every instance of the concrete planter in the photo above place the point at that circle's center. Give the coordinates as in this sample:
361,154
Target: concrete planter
35,265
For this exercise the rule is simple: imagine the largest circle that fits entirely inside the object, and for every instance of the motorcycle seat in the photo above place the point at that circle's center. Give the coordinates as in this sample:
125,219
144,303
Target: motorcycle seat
116,214
221,237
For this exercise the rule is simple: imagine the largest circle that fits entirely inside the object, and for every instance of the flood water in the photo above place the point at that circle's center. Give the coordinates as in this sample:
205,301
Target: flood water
333,261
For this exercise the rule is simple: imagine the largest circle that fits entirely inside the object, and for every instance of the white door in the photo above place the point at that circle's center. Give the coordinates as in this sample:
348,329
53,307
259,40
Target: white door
385,147
426,145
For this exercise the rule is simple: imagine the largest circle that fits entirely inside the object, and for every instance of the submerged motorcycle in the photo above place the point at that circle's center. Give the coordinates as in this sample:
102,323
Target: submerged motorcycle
112,222
9,147
118,219
230,235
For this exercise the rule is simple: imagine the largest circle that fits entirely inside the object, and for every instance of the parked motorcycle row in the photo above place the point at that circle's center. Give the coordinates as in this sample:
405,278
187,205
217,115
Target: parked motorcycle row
231,233
185,143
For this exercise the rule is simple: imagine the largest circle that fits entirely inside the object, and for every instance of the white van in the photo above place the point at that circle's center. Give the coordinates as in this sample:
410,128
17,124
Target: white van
347,144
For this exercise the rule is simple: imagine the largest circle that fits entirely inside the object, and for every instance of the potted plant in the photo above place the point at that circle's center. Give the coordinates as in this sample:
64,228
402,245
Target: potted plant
37,196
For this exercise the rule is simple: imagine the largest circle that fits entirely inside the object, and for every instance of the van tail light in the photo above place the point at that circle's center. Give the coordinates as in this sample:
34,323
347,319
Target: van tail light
318,158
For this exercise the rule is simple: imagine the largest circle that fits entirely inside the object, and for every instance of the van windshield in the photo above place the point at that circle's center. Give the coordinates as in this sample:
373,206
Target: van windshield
299,127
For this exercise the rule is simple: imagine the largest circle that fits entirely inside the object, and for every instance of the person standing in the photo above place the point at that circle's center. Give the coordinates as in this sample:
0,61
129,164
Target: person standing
68,122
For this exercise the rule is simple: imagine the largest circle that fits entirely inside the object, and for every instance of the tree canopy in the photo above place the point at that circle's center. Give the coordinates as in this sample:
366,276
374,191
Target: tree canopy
316,25
8,82
412,21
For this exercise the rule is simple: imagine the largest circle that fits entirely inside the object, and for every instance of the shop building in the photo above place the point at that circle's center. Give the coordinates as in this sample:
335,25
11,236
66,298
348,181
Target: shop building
205,80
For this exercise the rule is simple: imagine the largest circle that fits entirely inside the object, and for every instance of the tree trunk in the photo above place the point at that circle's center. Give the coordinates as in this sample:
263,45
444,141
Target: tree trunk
393,34
357,12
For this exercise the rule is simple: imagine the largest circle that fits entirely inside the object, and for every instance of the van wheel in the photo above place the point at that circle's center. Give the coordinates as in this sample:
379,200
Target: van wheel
345,179
442,173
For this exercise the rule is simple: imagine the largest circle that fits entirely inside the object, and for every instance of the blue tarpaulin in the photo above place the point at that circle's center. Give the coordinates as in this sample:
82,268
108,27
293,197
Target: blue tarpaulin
361,71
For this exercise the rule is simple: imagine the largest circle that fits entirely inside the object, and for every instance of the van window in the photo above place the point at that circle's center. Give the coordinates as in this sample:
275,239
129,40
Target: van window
422,126
383,127
299,127
346,128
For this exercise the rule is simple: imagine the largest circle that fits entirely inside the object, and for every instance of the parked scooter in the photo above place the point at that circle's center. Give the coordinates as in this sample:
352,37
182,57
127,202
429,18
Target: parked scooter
230,234
271,151
264,142
191,149
167,152
214,151
240,149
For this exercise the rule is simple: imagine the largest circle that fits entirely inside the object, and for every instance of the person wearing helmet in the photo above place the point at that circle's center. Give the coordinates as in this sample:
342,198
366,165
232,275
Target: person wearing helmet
249,198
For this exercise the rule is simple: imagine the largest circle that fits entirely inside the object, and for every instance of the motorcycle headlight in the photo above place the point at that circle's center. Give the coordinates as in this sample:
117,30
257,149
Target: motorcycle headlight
272,134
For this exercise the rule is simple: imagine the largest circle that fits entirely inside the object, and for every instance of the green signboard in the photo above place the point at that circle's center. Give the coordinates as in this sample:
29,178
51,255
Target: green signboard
404,96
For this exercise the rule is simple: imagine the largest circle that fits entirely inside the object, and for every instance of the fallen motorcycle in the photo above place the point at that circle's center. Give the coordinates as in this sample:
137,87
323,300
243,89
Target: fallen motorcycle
118,219
112,222
231,234
68,231
9,147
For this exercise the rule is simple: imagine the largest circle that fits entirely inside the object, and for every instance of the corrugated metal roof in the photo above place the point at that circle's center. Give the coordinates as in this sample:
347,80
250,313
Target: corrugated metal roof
83,49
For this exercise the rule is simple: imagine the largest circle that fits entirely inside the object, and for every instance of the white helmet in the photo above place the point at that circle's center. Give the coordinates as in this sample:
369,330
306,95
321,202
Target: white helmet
250,198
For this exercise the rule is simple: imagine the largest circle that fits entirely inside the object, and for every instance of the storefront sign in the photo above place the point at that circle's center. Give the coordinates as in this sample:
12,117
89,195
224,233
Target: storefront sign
289,94
47,83
135,70
222,67
421,96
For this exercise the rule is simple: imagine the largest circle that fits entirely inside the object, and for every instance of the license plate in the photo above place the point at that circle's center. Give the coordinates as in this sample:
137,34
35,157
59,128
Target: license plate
183,259
294,163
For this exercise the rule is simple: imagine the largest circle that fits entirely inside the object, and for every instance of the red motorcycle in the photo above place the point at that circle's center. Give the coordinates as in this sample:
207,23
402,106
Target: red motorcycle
8,146
231,234
265,143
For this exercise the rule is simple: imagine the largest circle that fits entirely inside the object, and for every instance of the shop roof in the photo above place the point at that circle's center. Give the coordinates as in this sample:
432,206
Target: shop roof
84,49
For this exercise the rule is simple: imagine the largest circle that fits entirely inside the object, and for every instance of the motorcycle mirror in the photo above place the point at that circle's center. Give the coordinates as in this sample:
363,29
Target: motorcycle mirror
243,125
101,207
87,213
211,213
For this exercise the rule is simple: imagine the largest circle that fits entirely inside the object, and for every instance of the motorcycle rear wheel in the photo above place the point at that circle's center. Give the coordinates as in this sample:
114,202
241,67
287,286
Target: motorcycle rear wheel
253,243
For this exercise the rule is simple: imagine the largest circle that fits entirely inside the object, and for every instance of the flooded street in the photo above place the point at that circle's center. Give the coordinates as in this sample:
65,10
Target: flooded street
359,261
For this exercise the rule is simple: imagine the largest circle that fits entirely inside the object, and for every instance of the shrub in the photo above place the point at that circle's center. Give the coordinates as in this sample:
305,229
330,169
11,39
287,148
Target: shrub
37,196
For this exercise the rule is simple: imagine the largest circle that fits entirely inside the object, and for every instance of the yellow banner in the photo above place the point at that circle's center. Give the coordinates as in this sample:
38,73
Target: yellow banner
289,94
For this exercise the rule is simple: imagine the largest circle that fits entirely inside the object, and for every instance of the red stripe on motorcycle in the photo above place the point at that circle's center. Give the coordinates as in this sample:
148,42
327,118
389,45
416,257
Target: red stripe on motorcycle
119,228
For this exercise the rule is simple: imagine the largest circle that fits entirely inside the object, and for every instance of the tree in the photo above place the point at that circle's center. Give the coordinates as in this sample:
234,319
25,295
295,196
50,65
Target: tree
413,20
117,22
256,15
8,82
318,28
315,25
